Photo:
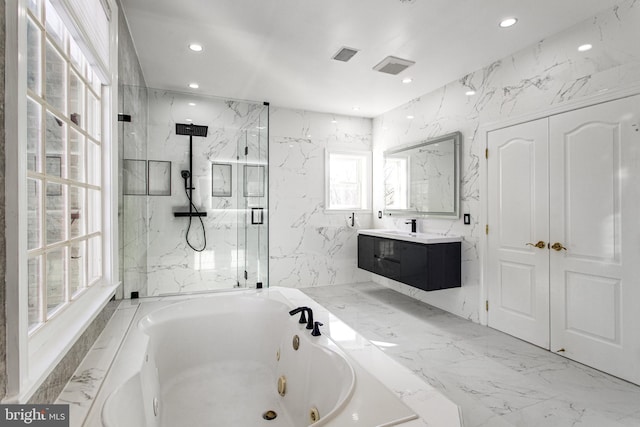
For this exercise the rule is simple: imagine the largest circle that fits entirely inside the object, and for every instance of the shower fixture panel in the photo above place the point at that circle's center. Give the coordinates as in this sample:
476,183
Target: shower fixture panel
191,130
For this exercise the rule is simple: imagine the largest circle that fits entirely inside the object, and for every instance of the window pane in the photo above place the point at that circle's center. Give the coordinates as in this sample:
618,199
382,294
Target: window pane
76,156
34,46
34,133
77,58
34,272
54,147
76,99
94,165
347,181
34,213
55,28
55,78
77,279
93,116
76,212
94,259
92,78
55,198
35,6
94,215
55,278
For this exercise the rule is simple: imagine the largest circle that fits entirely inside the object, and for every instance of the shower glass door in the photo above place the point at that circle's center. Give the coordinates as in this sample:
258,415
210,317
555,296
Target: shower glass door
253,202
228,171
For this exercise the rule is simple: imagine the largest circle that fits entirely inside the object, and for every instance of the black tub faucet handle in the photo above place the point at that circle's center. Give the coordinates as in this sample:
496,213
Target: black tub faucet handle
316,329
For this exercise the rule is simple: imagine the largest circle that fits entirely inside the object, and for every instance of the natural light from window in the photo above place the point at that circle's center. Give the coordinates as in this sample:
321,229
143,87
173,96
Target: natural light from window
348,180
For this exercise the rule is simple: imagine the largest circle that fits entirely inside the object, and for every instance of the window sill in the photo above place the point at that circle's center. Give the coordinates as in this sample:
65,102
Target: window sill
51,343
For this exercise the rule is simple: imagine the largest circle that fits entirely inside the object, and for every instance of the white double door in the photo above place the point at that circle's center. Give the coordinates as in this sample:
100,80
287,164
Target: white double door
563,265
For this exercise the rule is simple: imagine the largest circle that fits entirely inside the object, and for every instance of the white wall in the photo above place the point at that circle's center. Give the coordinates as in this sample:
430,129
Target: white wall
540,77
308,246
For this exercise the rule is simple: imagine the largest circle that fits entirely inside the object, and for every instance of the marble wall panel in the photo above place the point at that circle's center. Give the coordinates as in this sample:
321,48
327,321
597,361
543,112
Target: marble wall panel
309,246
544,75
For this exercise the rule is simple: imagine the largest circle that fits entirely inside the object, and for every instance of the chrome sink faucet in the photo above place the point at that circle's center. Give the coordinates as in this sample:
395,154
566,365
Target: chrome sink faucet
414,225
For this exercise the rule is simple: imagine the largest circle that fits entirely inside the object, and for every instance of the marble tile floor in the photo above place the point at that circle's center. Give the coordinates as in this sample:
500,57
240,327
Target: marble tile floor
496,379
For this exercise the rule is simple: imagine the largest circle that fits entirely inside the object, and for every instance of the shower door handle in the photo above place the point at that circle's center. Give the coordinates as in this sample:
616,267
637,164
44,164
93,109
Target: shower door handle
257,216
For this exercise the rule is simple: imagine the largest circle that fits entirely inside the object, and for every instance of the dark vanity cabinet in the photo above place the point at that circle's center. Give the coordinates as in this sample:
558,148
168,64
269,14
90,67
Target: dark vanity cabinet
425,266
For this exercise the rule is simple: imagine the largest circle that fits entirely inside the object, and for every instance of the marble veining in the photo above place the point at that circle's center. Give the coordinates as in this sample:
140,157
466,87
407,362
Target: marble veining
84,385
310,246
546,74
497,380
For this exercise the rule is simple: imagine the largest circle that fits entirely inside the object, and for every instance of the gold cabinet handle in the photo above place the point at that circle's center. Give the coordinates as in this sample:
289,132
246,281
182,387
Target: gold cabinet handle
558,247
539,245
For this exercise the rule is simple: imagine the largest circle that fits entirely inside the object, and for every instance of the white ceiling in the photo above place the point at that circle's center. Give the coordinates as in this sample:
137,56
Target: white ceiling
280,50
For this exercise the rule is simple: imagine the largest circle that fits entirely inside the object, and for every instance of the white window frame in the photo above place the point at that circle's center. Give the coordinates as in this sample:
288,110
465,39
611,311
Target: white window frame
365,181
31,359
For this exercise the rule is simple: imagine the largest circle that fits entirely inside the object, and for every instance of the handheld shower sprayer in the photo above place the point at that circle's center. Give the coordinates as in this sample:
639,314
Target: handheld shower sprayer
185,175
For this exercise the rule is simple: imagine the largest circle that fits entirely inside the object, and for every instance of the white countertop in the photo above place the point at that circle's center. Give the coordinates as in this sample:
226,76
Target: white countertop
425,238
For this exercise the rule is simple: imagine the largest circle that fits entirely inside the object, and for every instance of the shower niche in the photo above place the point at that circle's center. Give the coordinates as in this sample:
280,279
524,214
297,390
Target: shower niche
227,184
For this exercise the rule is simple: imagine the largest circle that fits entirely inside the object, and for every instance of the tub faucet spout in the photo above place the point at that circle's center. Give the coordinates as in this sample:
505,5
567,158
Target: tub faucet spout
303,317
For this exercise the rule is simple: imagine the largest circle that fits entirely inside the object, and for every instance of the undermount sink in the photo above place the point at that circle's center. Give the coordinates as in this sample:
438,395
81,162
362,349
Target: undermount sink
426,238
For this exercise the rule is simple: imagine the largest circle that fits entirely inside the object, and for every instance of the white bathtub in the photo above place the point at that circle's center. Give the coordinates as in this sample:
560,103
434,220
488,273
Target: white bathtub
215,360
218,361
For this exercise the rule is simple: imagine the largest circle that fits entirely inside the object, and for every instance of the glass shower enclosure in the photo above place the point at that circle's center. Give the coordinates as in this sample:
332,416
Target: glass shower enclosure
228,171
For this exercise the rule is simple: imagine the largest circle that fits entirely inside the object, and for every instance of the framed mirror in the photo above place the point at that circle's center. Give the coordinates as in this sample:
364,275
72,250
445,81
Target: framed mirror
423,178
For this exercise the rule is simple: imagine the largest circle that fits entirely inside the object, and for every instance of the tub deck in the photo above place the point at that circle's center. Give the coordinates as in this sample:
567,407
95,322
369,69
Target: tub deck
432,408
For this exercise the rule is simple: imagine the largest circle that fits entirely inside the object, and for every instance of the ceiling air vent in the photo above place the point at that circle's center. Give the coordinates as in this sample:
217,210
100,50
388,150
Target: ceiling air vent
393,65
344,54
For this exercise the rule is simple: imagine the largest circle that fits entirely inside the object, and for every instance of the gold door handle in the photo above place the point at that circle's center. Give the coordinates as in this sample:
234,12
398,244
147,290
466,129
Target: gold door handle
539,245
558,247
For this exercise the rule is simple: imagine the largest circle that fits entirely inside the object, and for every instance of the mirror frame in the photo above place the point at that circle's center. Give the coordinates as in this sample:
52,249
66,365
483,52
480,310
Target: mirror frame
457,140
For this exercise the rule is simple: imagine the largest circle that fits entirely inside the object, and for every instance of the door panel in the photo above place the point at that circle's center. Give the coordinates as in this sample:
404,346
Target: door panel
591,167
583,290
518,280
594,194
518,216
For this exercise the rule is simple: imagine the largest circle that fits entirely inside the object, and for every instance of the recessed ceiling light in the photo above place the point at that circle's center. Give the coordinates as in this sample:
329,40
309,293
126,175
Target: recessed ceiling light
195,47
407,80
192,104
508,22
470,92
188,120
334,121
309,136
584,47
410,117
194,85
356,108
261,127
